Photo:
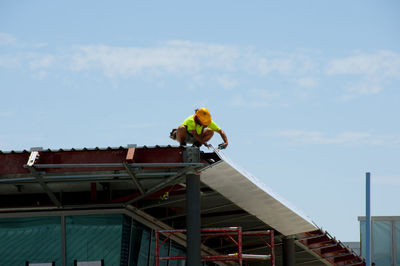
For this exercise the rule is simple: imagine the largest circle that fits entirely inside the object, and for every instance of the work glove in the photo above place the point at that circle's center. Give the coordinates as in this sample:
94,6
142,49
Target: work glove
222,146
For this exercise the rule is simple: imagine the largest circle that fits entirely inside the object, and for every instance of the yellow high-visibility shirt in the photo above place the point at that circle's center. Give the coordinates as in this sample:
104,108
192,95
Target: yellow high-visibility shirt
192,125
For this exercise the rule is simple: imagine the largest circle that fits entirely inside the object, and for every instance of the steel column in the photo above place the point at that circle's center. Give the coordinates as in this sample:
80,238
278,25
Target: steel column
193,219
288,252
63,241
157,253
368,218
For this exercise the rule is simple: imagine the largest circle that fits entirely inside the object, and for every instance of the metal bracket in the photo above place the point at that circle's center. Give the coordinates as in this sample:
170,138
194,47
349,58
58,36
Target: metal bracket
191,155
34,157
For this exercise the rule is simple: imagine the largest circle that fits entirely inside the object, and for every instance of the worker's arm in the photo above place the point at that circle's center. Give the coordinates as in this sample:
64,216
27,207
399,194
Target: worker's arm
223,136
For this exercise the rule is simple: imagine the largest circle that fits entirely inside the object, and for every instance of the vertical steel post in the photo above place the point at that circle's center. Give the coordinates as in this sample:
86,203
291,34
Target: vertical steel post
193,241
240,246
368,219
63,241
193,219
156,244
288,252
272,240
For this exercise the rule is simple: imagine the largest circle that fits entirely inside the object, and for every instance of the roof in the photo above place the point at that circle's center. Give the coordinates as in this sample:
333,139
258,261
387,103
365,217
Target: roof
149,181
381,218
249,193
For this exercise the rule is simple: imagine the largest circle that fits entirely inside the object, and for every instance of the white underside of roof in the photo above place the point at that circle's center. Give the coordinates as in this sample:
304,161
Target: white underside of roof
253,196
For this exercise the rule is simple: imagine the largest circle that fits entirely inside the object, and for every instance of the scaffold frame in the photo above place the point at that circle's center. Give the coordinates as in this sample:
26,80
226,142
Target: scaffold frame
234,234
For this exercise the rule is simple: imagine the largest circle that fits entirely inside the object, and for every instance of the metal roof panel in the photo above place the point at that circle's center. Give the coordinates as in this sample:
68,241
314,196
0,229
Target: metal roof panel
255,197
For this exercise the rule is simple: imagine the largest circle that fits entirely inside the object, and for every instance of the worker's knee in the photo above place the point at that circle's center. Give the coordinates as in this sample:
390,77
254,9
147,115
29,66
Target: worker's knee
181,131
181,134
208,134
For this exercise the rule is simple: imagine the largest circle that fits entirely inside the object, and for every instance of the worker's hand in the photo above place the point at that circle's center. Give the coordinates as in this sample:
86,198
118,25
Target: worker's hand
206,144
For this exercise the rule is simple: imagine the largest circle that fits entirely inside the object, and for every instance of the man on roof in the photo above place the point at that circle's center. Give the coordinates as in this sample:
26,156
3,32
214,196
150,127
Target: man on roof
198,129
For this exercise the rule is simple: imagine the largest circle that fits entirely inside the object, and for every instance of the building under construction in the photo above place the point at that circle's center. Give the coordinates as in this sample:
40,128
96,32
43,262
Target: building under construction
150,206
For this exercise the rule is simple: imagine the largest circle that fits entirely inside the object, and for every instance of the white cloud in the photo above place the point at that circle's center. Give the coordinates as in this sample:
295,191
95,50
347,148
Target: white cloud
383,63
183,57
39,75
365,86
173,56
240,101
263,94
10,61
374,71
41,62
227,82
364,74
253,98
7,39
33,60
345,138
293,63
40,45
307,82
266,66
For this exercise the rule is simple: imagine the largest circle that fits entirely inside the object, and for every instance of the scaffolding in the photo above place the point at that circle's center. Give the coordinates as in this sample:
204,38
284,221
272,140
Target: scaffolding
233,234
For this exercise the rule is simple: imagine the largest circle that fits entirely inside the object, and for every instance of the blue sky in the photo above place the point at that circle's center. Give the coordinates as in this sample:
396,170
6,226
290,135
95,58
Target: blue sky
307,91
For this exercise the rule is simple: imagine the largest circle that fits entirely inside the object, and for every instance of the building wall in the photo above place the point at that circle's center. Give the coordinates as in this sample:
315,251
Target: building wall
385,240
30,239
116,239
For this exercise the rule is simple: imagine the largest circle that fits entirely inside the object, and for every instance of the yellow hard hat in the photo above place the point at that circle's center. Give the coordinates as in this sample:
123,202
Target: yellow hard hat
204,116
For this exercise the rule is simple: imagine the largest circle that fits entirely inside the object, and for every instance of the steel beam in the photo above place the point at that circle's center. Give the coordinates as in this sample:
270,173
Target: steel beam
238,217
201,211
325,246
170,202
171,180
134,179
106,165
311,237
86,178
40,180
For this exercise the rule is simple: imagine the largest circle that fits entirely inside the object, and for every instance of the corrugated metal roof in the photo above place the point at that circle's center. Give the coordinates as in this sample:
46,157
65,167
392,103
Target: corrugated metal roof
90,149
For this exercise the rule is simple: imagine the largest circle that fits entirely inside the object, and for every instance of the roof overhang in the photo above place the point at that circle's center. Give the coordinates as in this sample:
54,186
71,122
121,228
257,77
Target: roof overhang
150,180
250,194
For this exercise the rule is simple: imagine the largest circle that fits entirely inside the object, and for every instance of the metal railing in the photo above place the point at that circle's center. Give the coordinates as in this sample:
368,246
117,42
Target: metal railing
233,234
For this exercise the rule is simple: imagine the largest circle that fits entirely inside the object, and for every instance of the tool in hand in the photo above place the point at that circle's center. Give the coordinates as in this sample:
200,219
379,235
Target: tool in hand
221,146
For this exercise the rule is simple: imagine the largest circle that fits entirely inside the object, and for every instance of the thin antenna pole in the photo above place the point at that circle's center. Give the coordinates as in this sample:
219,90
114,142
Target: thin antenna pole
368,219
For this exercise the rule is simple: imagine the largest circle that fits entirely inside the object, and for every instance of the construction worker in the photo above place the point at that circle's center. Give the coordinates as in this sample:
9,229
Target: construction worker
198,129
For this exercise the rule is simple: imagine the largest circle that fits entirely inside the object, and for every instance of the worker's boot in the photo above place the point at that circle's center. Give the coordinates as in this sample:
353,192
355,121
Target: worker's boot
172,134
197,144
182,144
